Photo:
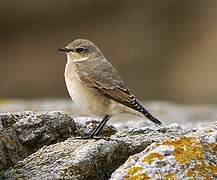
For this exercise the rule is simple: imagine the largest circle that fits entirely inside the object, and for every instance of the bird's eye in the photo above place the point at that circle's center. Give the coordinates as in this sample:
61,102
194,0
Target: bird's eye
78,50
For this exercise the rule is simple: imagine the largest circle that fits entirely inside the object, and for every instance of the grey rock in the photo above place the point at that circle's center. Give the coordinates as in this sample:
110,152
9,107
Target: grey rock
72,159
23,133
89,159
192,156
41,145
36,129
139,139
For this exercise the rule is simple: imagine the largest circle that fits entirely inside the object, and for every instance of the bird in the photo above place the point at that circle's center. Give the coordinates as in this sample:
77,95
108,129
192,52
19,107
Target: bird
96,87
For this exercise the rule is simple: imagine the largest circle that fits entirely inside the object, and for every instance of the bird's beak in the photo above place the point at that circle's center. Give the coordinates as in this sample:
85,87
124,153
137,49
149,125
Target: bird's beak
64,50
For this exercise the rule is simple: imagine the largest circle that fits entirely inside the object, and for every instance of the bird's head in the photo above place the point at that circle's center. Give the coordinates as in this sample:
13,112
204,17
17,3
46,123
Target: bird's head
81,49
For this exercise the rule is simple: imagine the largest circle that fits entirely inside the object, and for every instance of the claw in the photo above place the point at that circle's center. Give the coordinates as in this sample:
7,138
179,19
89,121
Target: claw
92,137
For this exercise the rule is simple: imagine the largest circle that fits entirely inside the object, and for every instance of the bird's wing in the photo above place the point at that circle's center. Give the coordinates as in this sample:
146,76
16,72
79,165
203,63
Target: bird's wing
101,75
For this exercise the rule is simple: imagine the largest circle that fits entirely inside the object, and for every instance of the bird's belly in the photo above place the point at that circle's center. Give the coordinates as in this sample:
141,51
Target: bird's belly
87,101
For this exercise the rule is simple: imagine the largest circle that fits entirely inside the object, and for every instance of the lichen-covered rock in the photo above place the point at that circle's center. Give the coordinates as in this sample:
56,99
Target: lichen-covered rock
25,132
168,152
192,156
139,139
89,159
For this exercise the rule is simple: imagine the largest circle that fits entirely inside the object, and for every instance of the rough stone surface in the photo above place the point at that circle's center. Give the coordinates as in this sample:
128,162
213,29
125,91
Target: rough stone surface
139,139
192,156
25,132
42,128
72,159
42,145
89,159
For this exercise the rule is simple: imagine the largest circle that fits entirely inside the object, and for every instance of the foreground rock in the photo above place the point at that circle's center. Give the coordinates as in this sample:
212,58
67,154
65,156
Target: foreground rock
192,156
89,159
72,159
42,145
23,133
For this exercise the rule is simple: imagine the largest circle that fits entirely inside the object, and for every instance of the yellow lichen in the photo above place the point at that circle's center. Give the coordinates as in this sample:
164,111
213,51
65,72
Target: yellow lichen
170,176
186,149
213,168
208,178
142,176
212,148
151,157
201,169
134,169
133,175
190,173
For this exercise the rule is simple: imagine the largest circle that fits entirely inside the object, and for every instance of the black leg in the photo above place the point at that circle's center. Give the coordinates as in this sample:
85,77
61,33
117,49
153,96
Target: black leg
97,130
100,126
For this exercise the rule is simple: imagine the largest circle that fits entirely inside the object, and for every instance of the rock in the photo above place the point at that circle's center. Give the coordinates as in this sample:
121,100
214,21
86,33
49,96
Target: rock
192,156
36,129
139,139
89,159
41,145
72,159
23,133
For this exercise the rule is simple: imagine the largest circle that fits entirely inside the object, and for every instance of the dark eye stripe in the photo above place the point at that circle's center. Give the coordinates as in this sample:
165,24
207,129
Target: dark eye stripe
78,50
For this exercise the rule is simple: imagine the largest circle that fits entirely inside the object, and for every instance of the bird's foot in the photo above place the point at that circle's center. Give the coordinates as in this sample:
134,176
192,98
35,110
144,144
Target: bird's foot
89,137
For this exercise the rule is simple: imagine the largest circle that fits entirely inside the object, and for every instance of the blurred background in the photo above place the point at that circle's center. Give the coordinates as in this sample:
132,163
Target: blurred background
164,50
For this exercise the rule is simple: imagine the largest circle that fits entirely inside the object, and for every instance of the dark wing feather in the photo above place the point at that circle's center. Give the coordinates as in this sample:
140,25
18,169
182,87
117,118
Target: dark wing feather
104,77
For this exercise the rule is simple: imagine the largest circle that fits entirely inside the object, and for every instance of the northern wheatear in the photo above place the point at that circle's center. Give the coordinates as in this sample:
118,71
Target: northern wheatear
96,87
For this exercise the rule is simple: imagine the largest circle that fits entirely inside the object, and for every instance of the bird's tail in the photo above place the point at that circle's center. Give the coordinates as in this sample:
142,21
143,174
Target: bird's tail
150,117
141,111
